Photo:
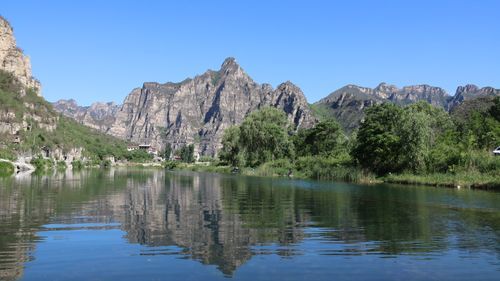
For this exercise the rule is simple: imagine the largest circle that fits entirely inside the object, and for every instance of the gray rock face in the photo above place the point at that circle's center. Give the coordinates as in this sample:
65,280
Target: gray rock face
194,111
469,92
347,104
13,60
99,116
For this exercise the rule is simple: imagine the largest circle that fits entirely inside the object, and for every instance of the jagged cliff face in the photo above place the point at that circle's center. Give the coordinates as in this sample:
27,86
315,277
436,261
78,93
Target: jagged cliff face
195,111
99,116
13,60
347,104
469,92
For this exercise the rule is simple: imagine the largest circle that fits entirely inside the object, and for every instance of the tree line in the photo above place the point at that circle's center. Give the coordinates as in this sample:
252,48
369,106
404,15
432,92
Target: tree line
417,139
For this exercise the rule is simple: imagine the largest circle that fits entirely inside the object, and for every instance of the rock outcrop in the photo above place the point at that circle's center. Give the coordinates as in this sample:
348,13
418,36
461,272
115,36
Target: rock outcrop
194,111
99,116
348,103
469,92
13,60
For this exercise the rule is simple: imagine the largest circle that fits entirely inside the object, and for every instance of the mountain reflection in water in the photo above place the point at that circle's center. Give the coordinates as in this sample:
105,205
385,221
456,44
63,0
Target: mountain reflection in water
225,220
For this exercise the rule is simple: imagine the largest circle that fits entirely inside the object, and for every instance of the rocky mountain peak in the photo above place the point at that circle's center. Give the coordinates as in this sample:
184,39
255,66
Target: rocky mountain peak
230,65
13,60
386,88
469,92
194,111
229,61
469,88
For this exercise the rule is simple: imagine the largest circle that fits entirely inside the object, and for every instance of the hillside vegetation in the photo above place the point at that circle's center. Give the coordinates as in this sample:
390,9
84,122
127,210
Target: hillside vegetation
40,128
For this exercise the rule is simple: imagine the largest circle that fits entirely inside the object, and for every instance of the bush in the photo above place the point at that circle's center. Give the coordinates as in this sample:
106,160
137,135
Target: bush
7,154
61,165
330,168
6,169
280,167
170,165
106,163
77,165
42,164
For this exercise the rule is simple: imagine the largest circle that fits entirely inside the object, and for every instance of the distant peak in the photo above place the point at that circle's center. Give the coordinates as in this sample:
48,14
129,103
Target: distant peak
288,86
384,87
229,63
467,88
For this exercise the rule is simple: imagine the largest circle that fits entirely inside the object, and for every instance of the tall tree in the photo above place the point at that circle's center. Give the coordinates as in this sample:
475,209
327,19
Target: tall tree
378,146
325,139
264,136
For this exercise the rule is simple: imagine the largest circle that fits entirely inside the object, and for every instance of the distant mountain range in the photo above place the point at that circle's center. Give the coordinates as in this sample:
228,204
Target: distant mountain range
198,110
347,104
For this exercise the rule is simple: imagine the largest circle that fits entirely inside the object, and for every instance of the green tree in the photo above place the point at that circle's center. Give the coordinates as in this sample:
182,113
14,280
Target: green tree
421,126
264,136
168,151
230,151
325,139
187,153
378,145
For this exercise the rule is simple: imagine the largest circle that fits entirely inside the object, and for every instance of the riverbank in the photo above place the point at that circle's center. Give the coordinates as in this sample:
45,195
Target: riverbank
470,180
459,180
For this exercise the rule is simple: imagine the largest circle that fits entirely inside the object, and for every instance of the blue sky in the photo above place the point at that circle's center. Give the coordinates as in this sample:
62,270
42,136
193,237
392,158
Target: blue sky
100,50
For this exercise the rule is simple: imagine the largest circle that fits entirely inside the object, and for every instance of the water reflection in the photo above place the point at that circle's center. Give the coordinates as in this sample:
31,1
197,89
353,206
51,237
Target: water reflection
225,220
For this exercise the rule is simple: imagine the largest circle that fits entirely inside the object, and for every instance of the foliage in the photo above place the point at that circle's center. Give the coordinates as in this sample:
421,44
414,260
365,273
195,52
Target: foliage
378,146
7,154
61,165
77,165
138,156
187,153
6,169
325,139
230,151
205,158
478,121
42,164
463,179
263,137
167,152
106,163
170,165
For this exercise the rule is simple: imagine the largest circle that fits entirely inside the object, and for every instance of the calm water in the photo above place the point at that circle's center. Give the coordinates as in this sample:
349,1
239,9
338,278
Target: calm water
156,225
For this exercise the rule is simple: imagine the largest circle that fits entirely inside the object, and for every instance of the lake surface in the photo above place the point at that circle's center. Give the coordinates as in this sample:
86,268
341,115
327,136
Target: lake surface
157,225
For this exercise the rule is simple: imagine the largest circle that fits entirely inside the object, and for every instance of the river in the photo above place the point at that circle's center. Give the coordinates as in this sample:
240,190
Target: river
147,224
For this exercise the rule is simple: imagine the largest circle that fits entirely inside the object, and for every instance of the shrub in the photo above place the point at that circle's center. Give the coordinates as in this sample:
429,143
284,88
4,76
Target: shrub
77,165
6,169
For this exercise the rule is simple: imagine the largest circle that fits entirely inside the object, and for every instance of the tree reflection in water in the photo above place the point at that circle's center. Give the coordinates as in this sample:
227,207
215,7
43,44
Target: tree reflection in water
224,220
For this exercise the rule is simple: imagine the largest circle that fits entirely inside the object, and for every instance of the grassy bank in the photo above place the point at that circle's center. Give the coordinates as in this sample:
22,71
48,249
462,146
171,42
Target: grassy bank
470,179
320,169
324,170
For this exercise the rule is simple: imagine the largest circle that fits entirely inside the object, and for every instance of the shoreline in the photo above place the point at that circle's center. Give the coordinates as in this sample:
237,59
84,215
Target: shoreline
465,180
469,180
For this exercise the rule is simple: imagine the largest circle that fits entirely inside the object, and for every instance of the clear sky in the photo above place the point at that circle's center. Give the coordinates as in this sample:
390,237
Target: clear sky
96,50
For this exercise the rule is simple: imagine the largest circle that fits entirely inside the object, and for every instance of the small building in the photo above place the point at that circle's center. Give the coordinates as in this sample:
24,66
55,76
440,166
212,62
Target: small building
131,148
144,146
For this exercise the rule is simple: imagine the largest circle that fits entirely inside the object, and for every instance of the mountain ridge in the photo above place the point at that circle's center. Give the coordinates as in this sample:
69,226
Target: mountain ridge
196,110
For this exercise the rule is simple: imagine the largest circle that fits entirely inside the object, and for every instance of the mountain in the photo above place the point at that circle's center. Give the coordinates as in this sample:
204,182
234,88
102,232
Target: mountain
470,92
29,125
99,116
13,60
348,103
194,111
